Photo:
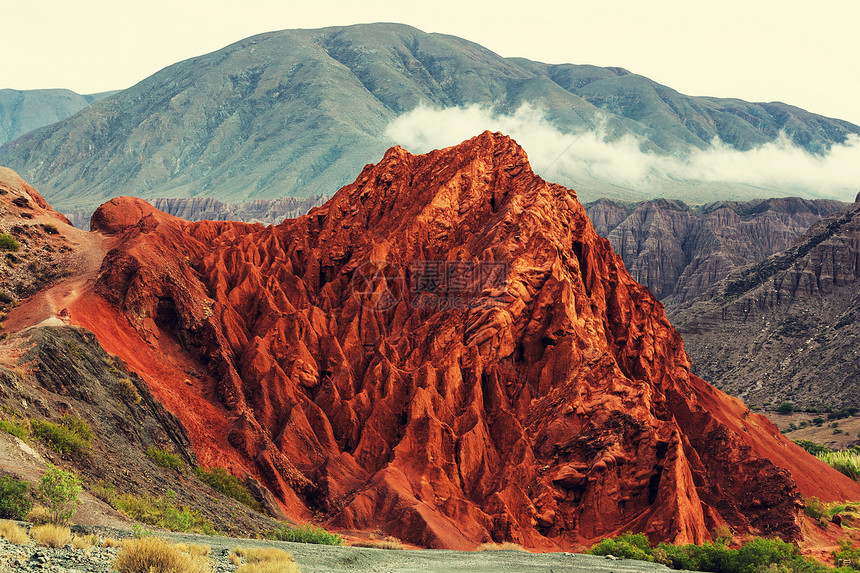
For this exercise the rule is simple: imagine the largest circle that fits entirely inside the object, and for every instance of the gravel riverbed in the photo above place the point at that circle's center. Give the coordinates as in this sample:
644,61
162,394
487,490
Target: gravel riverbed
320,558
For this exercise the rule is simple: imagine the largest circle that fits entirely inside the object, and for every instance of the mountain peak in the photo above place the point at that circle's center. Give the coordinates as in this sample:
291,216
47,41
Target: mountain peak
446,351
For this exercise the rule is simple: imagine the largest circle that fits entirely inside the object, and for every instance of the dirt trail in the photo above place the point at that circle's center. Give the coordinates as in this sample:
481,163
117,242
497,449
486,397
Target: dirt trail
50,306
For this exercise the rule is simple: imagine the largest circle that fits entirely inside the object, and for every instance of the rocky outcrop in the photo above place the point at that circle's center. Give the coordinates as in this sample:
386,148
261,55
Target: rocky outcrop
50,372
445,351
266,211
784,329
43,251
679,251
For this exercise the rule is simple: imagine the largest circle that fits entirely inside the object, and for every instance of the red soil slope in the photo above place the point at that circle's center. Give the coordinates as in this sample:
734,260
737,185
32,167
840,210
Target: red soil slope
445,351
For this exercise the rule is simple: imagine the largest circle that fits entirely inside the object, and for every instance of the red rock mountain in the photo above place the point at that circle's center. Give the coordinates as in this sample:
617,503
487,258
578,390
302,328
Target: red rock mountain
445,351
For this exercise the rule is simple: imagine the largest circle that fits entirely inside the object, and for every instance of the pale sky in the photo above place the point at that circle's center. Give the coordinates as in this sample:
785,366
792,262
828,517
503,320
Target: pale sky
805,53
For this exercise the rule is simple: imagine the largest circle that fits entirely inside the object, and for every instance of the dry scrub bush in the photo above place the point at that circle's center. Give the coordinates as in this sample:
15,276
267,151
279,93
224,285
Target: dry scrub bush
154,555
111,542
269,567
11,532
263,560
51,535
194,549
84,542
504,546
39,515
387,542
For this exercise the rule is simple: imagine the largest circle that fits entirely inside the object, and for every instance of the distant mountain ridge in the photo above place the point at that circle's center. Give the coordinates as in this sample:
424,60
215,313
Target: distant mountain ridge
298,112
785,329
679,251
22,111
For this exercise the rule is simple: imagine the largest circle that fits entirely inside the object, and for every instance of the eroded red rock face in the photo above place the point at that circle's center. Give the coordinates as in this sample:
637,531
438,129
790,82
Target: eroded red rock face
445,351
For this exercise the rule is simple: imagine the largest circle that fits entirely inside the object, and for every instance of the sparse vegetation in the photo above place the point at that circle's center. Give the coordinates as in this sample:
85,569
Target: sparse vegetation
60,490
847,555
812,447
162,512
84,541
846,462
308,533
104,491
71,436
392,543
504,546
39,515
165,459
18,428
15,499
51,535
8,243
263,560
155,555
221,480
194,549
111,542
814,508
12,533
755,555
127,390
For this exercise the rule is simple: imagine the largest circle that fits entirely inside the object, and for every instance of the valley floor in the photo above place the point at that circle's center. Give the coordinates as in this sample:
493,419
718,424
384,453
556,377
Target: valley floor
325,559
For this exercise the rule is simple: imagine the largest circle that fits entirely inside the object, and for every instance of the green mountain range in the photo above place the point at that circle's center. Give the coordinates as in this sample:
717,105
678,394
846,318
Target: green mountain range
300,112
22,111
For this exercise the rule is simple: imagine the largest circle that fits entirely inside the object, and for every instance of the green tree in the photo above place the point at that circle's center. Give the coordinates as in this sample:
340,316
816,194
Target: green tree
60,490
15,502
785,408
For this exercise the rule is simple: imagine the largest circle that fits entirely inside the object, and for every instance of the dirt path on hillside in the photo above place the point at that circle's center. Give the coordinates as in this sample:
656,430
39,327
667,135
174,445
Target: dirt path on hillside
50,305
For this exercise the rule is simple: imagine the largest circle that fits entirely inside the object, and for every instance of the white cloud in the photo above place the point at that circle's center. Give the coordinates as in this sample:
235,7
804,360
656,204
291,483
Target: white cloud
779,167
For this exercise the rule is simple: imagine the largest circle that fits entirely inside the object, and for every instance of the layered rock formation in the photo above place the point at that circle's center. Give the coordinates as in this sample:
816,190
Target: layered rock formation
445,351
679,251
785,329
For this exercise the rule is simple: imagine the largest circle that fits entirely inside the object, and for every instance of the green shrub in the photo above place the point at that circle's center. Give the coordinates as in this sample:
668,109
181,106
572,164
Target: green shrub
756,555
221,480
14,427
626,545
162,512
846,462
79,426
165,459
847,554
104,491
785,408
15,499
307,533
814,508
60,489
812,447
71,436
8,243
